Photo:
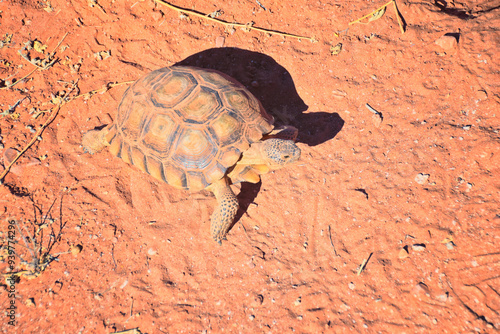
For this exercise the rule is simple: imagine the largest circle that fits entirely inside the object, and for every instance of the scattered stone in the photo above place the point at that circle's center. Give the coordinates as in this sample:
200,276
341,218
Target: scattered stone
351,286
297,301
422,178
251,317
418,247
377,120
447,42
30,302
9,155
443,297
75,249
421,288
258,300
482,94
403,253
156,15
151,252
450,245
219,41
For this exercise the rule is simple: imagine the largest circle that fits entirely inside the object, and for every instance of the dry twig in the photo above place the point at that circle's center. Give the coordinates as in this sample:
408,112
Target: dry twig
37,134
50,60
246,27
379,12
53,115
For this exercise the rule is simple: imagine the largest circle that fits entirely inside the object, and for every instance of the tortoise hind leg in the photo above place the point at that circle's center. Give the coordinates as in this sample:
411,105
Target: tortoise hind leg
224,213
95,140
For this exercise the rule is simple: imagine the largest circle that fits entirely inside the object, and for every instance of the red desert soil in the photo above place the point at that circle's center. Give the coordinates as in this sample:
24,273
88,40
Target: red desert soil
389,223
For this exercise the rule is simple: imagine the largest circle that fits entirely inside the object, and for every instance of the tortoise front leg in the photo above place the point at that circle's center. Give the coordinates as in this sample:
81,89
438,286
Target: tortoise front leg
224,213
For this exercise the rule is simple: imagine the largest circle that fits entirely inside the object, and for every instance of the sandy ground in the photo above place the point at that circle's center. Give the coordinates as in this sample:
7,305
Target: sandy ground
388,224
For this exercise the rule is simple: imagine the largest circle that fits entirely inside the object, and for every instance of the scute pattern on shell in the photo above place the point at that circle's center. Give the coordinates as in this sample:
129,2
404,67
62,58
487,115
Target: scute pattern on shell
186,126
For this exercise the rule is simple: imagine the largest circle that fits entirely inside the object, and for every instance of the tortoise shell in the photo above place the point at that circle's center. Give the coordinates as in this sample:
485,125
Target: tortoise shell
186,126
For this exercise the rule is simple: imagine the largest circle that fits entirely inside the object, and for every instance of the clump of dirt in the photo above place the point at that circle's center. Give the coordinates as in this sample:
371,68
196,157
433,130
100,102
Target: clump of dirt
389,222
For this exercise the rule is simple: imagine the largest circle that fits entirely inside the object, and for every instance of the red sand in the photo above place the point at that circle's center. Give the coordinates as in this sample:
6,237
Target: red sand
412,187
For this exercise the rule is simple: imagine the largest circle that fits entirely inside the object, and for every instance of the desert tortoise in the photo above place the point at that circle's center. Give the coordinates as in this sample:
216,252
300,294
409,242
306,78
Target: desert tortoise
195,128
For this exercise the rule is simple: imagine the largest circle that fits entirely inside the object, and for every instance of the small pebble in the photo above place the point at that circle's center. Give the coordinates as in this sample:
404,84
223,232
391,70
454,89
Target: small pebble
447,42
421,178
219,42
377,120
421,288
351,286
156,15
418,247
75,249
403,253
442,298
30,302
9,155
482,94
251,317
297,301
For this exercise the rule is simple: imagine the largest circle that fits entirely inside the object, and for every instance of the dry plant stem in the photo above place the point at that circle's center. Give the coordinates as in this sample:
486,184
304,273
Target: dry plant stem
37,134
31,250
18,81
367,16
246,26
104,89
37,68
398,15
53,116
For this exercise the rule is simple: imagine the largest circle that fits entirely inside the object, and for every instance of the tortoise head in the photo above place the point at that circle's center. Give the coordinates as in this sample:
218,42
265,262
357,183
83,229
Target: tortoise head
278,153
262,157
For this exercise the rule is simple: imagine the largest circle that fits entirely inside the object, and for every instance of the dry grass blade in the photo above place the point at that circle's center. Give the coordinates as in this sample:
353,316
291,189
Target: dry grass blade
379,12
246,27
363,265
